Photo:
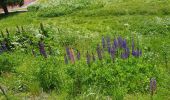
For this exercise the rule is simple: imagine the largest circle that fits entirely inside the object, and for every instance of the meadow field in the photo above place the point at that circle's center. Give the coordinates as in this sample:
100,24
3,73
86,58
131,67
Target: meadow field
86,50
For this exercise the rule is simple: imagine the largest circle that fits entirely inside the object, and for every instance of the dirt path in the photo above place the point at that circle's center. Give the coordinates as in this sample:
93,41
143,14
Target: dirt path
22,8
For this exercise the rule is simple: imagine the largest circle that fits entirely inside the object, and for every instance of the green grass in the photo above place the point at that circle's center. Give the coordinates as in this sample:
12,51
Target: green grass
149,20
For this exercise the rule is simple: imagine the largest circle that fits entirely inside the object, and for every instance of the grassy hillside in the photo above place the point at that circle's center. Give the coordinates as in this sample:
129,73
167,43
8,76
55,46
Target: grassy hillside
82,25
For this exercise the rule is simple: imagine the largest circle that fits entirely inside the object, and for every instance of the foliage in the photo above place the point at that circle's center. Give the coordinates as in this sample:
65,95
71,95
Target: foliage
29,73
49,77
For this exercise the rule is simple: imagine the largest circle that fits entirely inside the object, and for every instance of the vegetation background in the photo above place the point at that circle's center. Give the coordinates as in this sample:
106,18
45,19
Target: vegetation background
81,24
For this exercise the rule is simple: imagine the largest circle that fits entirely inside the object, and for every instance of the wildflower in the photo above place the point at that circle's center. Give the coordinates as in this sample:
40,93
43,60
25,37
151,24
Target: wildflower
115,43
126,53
120,40
153,85
124,44
137,53
4,45
42,49
72,55
103,42
112,52
68,53
88,58
99,52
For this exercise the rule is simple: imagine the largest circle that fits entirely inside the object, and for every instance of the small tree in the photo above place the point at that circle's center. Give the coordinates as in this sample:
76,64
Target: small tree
5,3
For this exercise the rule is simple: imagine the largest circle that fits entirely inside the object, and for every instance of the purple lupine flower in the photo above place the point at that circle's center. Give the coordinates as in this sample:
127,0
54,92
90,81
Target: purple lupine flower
153,85
124,44
42,49
68,53
137,53
115,43
72,55
126,53
120,40
99,52
65,59
133,52
103,42
93,56
88,58
78,55
112,52
4,45
108,44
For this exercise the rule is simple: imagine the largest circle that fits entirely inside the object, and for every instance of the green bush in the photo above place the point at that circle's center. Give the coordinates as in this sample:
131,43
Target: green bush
34,8
48,75
7,63
111,79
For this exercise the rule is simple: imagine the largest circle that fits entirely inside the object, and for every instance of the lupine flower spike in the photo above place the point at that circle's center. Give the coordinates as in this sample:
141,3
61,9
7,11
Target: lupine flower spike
72,55
103,42
137,52
120,40
4,46
124,44
108,44
68,53
99,52
112,53
126,53
115,43
42,49
153,86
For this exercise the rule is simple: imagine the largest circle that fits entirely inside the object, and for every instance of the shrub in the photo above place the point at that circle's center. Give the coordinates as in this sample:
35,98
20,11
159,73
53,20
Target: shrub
48,75
34,8
7,64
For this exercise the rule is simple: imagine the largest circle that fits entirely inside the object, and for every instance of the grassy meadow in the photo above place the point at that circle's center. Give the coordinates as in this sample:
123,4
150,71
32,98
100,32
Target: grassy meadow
86,50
